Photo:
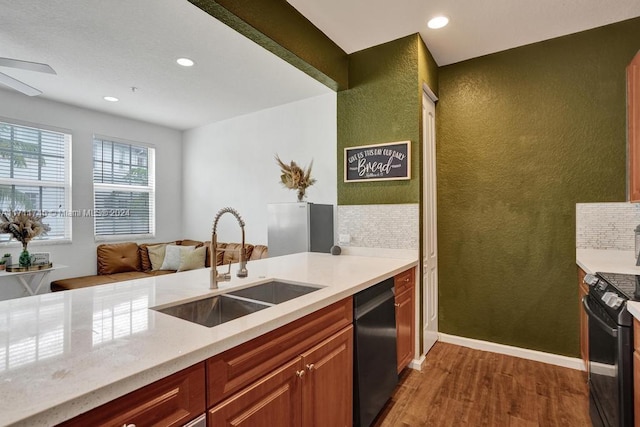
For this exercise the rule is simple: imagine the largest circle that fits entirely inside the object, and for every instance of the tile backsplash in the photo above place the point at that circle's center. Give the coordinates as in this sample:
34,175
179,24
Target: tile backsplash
380,226
606,225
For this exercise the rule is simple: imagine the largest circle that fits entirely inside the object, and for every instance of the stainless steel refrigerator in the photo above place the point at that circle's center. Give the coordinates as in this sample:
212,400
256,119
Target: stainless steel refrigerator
299,227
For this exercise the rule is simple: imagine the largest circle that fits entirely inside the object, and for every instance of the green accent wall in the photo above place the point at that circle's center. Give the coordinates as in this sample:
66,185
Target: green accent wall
281,29
523,135
383,104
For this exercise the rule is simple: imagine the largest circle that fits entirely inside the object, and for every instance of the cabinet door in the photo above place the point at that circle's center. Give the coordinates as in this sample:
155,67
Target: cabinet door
633,128
231,371
172,401
327,387
405,320
636,387
274,400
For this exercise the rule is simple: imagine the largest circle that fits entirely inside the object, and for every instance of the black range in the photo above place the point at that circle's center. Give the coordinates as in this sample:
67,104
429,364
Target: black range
611,347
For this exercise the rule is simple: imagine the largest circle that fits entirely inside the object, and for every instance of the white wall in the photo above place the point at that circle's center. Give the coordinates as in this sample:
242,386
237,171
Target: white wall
231,163
80,255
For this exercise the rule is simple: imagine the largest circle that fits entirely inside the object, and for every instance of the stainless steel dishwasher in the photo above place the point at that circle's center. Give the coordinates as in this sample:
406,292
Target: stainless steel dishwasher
375,357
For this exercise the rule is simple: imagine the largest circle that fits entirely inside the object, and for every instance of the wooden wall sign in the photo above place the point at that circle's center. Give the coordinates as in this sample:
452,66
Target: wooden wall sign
380,162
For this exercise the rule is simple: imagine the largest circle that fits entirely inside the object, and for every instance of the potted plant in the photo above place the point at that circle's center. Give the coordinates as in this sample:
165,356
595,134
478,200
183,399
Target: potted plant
23,226
6,259
295,178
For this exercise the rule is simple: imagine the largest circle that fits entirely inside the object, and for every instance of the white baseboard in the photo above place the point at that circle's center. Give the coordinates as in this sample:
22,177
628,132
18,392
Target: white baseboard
538,356
416,364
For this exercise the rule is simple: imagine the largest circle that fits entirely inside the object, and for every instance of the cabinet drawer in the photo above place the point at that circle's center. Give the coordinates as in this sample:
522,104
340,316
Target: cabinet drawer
238,367
403,280
171,401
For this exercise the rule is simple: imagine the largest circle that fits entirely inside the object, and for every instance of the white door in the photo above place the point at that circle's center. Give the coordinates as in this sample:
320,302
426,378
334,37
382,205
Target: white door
430,242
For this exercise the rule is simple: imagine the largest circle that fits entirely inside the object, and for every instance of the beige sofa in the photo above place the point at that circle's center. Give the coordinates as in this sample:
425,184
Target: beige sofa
127,261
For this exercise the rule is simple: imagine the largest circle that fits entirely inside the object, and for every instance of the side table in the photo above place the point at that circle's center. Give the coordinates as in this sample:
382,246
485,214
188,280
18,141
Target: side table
31,280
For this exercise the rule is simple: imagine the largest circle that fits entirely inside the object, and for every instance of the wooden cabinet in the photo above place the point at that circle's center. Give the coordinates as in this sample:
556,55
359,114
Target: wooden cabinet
633,129
298,374
274,400
240,366
404,284
171,401
327,389
314,389
583,290
636,371
305,366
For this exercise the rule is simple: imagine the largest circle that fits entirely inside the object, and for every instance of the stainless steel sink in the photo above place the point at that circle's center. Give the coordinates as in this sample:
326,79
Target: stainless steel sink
274,292
214,311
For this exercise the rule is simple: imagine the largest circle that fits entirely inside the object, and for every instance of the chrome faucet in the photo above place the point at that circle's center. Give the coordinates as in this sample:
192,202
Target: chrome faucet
213,251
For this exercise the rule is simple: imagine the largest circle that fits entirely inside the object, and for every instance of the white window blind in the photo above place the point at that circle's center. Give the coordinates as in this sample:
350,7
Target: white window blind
123,189
35,174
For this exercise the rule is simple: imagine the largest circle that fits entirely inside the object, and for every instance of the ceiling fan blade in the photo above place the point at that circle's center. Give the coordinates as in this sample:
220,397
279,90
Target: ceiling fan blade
18,85
26,65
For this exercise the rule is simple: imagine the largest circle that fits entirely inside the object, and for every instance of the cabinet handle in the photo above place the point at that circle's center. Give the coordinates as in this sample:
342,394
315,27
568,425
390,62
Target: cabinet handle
300,374
310,367
128,425
397,305
407,280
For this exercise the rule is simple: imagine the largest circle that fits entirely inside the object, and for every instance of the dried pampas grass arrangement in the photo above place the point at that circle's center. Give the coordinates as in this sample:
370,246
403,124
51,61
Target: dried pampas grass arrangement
295,178
23,226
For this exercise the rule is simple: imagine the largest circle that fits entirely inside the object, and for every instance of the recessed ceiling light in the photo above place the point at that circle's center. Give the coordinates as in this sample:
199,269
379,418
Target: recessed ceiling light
185,62
111,99
438,22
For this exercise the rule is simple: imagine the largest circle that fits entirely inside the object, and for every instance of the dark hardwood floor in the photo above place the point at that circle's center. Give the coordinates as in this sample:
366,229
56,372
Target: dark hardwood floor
459,386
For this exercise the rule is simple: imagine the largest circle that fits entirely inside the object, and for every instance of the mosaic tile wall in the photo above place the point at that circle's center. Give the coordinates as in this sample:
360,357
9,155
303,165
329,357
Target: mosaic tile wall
606,225
380,226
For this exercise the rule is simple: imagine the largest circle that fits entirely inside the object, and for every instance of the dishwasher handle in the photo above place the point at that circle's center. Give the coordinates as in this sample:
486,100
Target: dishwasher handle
363,309
593,316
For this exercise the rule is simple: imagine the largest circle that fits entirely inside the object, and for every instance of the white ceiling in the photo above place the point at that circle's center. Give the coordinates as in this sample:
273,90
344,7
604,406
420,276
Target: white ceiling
103,48
476,28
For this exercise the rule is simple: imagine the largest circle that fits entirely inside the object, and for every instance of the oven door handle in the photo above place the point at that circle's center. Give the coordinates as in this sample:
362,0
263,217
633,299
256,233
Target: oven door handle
608,329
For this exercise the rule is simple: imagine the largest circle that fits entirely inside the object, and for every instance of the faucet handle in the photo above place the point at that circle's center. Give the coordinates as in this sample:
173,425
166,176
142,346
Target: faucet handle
224,277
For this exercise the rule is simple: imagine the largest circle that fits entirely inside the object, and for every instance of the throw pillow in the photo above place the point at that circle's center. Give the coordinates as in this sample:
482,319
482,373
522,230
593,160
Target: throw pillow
156,255
193,260
172,256
117,258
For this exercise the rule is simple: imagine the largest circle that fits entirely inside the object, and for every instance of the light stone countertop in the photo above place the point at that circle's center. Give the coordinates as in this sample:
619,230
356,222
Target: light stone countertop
607,261
610,261
64,353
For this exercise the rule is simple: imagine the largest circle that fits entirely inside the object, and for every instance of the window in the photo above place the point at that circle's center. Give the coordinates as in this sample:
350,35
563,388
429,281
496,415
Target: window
123,189
35,175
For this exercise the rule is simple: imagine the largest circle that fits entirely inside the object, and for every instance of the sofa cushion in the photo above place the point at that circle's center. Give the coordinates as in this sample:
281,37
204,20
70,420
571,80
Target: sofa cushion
173,254
188,242
129,275
232,252
80,282
259,252
145,262
154,273
118,258
193,260
156,255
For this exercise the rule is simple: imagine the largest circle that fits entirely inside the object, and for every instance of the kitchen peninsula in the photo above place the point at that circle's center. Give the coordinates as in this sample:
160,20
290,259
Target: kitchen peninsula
69,352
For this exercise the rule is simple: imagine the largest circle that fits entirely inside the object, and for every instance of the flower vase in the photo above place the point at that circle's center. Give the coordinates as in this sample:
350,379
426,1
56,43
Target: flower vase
25,257
301,194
